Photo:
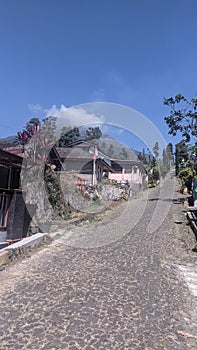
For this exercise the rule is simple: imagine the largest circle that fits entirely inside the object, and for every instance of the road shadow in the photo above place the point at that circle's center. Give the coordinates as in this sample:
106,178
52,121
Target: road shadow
170,200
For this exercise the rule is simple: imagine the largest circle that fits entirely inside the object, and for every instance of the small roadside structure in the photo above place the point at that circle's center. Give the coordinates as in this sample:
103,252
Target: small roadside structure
10,166
130,171
14,217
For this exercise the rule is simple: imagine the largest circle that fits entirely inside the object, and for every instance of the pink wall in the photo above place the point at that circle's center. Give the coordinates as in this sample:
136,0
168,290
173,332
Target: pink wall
131,177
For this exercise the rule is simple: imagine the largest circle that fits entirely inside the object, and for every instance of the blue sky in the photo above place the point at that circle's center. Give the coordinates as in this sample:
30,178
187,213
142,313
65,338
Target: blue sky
70,52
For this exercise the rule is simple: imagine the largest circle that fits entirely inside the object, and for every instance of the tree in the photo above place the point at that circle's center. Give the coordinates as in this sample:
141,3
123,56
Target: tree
32,124
68,135
153,162
186,176
156,174
103,145
93,133
167,159
123,154
38,138
181,156
166,162
182,117
156,149
142,157
169,150
32,127
49,125
22,138
110,151
71,134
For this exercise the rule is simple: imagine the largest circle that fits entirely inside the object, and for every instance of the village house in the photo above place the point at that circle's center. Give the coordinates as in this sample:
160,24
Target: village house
130,171
85,159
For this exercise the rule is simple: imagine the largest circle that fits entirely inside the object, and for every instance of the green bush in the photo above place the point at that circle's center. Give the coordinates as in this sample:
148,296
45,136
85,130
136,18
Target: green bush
55,195
186,176
156,174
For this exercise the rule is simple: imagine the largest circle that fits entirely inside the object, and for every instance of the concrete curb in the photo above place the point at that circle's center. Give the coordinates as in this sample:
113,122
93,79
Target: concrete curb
16,249
19,248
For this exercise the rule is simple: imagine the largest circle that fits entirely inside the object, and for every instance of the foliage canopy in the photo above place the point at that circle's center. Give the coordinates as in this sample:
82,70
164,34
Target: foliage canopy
182,117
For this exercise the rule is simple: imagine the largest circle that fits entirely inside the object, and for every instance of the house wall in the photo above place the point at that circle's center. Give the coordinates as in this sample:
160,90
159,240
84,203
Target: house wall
133,177
74,164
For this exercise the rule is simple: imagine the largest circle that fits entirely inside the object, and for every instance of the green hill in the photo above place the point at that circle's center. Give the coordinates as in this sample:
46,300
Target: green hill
115,149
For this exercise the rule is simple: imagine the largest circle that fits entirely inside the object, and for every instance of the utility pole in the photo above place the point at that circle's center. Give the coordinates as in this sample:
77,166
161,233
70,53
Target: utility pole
94,167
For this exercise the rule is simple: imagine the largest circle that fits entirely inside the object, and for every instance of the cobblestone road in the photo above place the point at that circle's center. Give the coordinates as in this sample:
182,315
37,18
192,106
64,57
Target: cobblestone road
113,284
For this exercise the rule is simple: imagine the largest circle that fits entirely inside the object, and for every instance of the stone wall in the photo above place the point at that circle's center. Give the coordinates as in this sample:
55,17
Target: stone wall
34,192
114,192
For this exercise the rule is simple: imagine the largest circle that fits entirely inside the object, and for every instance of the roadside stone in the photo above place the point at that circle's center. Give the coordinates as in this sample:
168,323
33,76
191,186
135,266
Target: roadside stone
4,257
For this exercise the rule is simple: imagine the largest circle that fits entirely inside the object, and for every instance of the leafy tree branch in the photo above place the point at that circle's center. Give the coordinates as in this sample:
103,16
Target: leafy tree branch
182,117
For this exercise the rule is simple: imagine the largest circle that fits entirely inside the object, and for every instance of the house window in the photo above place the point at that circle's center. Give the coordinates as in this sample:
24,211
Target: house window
4,176
15,179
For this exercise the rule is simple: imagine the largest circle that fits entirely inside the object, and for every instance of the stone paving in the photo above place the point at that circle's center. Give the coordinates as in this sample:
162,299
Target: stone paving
110,284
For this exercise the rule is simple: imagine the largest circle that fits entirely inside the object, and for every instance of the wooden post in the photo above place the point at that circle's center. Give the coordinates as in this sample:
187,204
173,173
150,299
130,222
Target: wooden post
94,167
9,177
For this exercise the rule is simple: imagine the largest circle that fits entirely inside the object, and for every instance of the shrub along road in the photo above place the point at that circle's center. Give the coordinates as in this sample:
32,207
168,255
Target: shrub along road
110,284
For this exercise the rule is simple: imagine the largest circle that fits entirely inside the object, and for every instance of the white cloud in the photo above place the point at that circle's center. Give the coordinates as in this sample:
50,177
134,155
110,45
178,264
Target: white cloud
68,116
73,116
110,128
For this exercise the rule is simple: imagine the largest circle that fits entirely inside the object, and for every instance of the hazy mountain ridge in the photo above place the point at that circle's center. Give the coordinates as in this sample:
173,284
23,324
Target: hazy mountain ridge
106,144
8,139
115,149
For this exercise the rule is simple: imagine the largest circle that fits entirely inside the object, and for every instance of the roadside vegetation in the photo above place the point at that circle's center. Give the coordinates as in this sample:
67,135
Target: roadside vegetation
182,120
157,166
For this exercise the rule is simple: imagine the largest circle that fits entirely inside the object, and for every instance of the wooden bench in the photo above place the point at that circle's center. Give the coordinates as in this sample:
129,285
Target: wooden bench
192,208
192,218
